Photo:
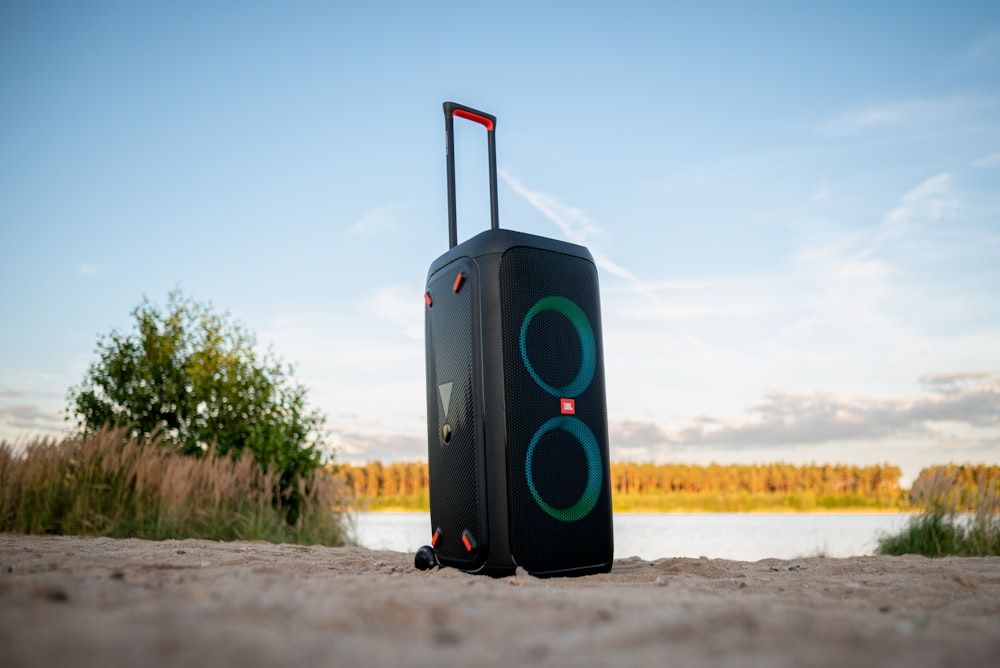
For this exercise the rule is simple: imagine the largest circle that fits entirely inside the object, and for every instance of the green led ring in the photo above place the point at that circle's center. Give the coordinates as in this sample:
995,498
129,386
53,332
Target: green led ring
585,437
578,319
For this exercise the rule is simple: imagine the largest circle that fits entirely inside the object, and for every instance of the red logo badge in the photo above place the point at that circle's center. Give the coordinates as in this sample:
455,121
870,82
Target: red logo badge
567,406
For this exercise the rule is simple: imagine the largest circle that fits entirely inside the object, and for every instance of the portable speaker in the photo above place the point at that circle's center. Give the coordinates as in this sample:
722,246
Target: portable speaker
516,409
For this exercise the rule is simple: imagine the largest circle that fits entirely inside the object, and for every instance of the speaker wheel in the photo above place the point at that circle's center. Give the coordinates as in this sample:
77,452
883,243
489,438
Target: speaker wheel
425,558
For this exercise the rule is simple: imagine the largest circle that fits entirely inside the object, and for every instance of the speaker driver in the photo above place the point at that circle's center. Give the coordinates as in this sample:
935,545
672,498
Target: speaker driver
591,491
588,349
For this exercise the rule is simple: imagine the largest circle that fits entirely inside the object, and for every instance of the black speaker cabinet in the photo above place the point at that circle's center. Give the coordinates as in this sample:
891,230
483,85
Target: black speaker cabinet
517,432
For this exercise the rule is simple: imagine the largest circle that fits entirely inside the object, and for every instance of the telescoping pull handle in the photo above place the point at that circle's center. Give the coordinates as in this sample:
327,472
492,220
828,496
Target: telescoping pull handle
451,110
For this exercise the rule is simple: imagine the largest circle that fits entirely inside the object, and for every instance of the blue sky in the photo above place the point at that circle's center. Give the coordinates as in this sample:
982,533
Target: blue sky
795,208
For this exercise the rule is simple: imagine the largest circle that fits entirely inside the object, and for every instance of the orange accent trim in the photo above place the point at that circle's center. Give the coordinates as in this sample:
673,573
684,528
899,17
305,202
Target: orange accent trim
427,298
458,281
434,538
468,545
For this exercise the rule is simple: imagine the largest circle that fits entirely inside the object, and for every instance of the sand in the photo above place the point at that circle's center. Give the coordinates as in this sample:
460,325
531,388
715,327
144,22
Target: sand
71,601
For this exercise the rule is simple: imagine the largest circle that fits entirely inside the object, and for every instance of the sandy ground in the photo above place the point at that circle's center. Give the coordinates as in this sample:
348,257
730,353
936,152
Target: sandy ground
68,601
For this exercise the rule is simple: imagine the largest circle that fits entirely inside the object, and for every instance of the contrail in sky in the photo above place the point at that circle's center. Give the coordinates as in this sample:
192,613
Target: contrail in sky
578,227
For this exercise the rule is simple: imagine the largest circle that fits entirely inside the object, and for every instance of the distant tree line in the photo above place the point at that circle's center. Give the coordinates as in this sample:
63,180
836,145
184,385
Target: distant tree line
401,479
779,478
375,480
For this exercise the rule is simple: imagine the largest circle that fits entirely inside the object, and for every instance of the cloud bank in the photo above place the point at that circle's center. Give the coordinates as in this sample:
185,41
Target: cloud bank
30,418
967,401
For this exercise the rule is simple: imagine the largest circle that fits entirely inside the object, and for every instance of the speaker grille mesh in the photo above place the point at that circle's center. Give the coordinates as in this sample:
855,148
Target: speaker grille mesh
454,486
559,499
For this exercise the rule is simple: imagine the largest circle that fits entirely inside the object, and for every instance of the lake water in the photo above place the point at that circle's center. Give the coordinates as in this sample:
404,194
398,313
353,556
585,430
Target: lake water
739,536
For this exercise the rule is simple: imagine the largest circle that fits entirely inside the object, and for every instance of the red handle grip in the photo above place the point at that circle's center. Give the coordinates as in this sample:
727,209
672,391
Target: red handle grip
476,117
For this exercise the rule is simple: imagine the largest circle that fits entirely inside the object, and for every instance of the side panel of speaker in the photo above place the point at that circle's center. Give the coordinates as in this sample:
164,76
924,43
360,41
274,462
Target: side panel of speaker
454,438
558,477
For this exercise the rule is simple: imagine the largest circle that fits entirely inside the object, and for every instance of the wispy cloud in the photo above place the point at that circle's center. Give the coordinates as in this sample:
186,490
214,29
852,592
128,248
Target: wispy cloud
377,221
580,229
575,224
991,160
852,275
87,269
955,382
400,306
821,193
932,200
900,114
21,392
986,49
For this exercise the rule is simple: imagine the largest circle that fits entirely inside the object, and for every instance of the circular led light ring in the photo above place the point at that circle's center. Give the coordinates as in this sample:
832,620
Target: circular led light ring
588,361
585,437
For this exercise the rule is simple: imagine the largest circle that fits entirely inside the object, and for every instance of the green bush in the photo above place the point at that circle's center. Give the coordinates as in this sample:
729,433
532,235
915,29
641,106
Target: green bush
194,379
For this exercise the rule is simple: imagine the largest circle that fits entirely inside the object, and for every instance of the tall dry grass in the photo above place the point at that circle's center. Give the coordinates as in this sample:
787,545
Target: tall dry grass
957,519
110,485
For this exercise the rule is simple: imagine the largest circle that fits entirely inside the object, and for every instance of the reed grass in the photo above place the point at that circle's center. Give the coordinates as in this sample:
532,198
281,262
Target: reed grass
108,484
956,520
